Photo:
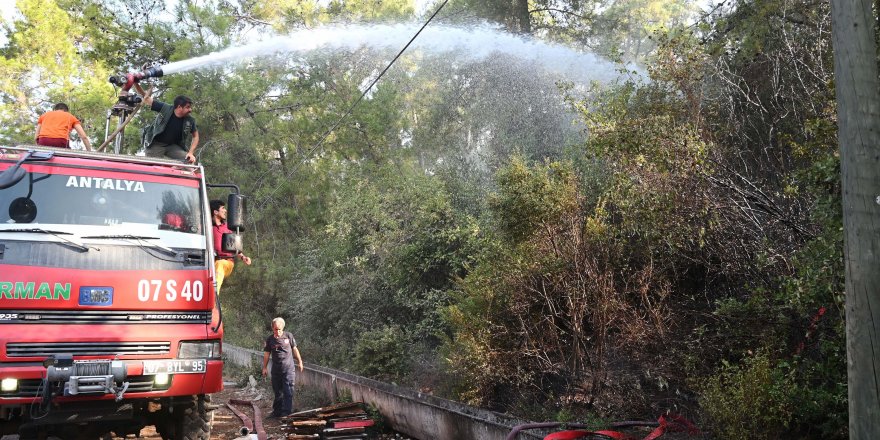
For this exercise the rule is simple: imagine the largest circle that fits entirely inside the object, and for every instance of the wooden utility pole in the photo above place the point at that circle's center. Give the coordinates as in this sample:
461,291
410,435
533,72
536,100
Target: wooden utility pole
858,110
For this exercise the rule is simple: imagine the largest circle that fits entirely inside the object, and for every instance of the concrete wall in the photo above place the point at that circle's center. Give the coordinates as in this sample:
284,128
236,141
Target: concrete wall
415,414
242,357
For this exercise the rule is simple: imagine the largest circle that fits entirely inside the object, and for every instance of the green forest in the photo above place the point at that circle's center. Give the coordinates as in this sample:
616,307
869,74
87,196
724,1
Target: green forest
665,237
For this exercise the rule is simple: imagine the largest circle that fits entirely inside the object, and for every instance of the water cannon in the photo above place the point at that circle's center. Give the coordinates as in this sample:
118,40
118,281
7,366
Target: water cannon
128,101
128,80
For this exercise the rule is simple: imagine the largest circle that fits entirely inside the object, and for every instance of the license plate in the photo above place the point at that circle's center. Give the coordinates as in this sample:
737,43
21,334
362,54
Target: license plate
175,366
95,296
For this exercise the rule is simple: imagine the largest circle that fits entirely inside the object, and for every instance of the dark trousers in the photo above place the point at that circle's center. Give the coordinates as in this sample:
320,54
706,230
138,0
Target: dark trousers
53,142
161,149
283,387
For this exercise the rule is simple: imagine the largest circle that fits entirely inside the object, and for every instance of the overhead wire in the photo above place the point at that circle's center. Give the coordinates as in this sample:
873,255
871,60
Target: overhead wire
355,104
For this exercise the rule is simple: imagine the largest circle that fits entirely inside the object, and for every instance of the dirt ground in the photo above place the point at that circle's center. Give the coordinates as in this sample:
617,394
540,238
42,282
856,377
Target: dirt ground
226,424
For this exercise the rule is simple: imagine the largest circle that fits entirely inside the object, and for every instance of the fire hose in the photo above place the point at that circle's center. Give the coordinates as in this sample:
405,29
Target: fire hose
257,423
671,423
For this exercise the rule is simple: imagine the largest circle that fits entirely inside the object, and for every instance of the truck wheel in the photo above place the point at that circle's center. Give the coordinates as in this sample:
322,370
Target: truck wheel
31,434
191,419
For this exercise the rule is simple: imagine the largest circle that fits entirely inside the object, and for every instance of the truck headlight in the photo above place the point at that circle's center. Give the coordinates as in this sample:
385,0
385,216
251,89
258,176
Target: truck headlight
199,350
8,385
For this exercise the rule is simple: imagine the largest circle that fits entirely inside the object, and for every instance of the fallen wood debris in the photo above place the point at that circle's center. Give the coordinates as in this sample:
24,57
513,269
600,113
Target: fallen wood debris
337,422
353,424
308,423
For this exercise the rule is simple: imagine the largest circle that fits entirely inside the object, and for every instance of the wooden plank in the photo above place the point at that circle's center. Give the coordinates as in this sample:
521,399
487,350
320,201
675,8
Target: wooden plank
327,409
308,423
354,430
353,424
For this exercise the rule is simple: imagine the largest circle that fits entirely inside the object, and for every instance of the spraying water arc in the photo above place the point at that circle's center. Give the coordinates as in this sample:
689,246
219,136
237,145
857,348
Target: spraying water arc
473,42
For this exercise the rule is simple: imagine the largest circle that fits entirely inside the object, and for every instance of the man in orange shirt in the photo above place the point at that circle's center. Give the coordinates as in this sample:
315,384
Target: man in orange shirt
53,128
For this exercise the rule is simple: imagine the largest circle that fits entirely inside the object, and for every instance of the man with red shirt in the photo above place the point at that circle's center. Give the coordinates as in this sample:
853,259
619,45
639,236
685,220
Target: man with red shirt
53,128
224,261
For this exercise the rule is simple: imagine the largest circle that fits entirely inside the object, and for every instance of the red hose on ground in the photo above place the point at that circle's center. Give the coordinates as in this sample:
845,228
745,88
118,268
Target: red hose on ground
257,424
671,423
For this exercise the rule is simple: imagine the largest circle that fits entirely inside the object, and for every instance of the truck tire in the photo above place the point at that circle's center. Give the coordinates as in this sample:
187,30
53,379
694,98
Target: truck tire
190,419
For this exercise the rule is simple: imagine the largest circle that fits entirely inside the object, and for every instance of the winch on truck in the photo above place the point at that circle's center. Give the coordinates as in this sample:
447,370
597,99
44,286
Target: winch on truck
109,320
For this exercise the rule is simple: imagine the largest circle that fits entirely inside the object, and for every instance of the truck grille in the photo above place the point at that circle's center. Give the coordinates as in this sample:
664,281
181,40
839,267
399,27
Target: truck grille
89,316
41,349
32,388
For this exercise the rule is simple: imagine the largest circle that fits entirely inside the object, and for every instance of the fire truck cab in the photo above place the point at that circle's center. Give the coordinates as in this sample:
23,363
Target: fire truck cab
109,320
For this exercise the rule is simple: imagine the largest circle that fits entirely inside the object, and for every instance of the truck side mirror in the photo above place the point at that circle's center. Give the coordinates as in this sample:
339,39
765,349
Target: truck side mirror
11,176
231,242
235,211
15,173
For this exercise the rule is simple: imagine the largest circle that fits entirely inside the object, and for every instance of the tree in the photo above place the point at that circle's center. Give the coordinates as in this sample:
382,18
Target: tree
43,64
621,29
858,108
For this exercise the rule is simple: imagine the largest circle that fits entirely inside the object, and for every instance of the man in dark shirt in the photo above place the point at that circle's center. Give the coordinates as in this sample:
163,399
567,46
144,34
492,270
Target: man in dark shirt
224,261
281,348
173,133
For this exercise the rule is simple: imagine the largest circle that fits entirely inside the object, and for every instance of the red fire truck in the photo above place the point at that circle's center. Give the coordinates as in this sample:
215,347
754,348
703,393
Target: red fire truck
109,319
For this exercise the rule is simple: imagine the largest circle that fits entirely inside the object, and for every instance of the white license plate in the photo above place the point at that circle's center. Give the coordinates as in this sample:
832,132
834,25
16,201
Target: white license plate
175,366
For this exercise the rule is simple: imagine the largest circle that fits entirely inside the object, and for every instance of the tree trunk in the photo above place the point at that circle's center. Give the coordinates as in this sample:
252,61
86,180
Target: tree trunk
522,17
858,108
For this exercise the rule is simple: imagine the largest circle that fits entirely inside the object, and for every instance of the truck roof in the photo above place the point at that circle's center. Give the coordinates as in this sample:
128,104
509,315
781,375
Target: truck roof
120,161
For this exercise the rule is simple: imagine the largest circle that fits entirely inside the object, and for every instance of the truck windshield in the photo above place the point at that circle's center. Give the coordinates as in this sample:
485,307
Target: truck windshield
87,205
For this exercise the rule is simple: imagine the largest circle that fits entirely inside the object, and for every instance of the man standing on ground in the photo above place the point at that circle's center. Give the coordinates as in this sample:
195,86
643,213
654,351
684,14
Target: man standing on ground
53,128
281,348
173,134
224,261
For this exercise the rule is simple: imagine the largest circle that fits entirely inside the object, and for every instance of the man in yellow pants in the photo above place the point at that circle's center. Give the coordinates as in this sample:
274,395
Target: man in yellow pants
224,261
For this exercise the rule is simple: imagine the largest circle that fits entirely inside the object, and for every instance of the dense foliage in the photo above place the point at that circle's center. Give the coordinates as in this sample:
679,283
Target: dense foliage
494,234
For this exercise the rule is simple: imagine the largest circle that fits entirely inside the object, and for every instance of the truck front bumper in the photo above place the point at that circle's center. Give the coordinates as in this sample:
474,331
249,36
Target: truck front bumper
30,382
